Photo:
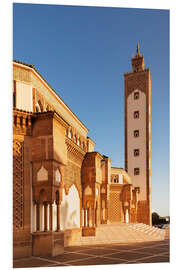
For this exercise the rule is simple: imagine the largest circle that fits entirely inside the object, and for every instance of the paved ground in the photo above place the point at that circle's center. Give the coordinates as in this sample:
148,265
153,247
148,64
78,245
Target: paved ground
148,252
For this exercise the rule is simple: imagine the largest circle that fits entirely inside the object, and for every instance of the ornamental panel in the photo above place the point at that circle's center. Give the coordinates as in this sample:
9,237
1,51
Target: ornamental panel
18,185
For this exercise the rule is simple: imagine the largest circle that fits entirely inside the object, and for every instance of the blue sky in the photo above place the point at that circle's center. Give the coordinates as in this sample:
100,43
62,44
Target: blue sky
83,53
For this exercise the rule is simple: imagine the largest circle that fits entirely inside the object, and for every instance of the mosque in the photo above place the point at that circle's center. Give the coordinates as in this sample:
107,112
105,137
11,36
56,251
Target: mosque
62,188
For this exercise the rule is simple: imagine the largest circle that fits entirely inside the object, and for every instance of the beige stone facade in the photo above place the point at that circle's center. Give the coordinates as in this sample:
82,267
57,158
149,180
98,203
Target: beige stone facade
138,133
62,188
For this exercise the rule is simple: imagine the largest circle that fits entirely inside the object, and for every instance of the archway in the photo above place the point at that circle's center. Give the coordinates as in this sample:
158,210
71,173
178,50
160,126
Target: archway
70,209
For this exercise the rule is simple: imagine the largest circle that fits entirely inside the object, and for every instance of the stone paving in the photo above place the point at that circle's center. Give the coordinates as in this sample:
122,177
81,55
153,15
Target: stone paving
147,252
122,233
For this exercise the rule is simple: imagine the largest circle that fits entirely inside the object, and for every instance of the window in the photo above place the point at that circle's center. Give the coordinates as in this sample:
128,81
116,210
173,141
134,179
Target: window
40,106
14,94
136,95
136,133
136,114
116,180
78,143
37,108
70,134
136,171
136,152
75,138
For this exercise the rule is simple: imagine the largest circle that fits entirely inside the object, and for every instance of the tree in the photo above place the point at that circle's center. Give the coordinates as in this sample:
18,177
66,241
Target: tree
155,218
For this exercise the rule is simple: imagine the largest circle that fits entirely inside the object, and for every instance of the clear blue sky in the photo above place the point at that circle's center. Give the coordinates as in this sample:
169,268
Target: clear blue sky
83,53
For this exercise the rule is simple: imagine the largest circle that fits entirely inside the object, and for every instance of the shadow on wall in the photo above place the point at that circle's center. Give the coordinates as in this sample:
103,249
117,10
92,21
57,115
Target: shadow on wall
70,209
64,212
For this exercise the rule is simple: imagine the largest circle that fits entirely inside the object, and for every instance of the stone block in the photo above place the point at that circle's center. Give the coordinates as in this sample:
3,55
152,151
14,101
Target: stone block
89,231
48,243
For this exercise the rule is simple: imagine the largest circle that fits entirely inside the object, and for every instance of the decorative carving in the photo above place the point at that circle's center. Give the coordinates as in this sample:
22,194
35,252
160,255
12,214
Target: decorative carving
42,174
103,190
18,185
72,174
58,176
88,191
74,152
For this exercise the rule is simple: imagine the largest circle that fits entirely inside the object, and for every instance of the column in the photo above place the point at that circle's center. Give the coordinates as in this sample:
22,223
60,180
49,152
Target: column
29,121
84,217
51,217
34,217
37,217
58,217
41,212
93,216
102,214
106,214
96,218
88,217
45,217
18,121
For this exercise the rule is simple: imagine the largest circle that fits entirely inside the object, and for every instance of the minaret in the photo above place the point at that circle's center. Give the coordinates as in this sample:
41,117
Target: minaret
138,132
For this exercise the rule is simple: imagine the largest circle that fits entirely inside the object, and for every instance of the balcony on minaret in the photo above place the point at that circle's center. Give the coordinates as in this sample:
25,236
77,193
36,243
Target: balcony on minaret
137,61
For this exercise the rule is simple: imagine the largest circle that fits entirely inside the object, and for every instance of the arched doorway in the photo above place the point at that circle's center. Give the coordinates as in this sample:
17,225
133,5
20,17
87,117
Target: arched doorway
70,209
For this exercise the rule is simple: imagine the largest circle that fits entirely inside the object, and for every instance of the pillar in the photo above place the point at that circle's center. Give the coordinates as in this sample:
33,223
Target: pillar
93,217
58,216
82,218
88,217
106,214
85,217
37,217
45,217
34,217
51,217
96,217
18,121
29,121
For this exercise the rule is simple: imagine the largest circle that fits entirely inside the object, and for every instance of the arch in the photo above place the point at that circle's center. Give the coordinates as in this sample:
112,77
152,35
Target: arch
58,176
103,190
37,108
70,134
47,108
70,209
42,174
88,191
75,138
78,142
40,105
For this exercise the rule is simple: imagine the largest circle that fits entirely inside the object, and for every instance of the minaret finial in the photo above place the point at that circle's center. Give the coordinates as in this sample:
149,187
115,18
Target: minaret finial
137,50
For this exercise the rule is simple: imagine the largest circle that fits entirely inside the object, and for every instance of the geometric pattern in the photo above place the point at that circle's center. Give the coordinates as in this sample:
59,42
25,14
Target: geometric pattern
18,185
115,207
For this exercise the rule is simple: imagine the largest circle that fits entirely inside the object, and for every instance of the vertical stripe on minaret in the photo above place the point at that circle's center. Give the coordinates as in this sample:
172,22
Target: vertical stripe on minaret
138,132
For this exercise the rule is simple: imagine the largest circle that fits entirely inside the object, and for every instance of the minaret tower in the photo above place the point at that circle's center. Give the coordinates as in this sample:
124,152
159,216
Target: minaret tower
138,133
